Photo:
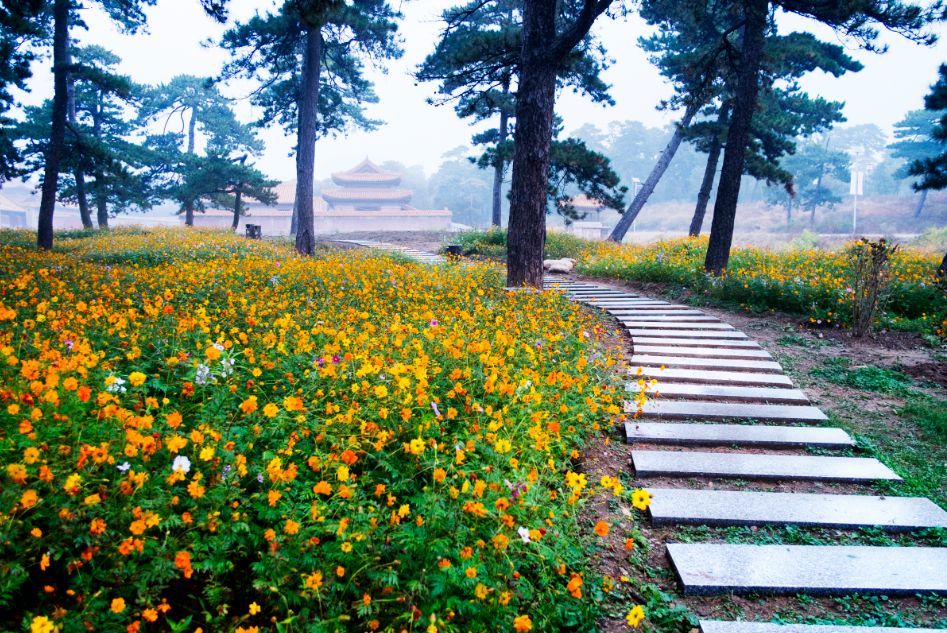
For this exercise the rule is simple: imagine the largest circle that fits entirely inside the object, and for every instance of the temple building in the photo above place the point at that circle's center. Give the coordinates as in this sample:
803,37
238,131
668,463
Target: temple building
367,198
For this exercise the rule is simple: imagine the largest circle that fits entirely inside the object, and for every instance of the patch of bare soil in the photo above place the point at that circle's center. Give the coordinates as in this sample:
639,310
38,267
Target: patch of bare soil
930,372
429,241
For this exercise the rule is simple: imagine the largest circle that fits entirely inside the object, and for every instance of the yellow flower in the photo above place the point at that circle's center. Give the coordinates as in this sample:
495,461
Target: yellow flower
416,446
641,499
91,500
635,616
136,378
381,391
342,474
254,608
503,446
270,410
118,605
42,624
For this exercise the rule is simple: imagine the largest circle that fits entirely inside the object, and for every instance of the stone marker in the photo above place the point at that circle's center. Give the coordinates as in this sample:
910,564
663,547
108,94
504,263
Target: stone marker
713,377
741,465
740,434
671,391
717,626
697,323
664,350
648,339
738,507
814,570
708,363
724,410
665,333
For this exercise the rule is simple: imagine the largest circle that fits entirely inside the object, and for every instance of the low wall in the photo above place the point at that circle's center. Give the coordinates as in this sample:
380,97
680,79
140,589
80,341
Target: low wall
279,225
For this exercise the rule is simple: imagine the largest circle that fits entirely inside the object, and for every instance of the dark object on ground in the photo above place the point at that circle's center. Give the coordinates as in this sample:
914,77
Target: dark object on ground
254,232
455,249
929,372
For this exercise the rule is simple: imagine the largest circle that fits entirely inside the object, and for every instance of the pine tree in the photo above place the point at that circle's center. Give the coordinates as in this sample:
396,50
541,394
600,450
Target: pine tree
308,59
200,107
857,20
916,143
19,26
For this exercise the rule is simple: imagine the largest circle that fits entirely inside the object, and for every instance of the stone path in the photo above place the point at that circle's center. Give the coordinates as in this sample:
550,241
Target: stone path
413,253
717,388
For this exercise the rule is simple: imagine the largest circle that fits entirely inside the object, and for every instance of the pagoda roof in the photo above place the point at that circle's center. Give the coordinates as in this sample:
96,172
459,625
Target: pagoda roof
366,173
367,195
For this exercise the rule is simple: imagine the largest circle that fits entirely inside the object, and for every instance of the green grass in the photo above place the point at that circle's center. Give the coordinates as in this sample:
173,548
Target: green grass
877,379
929,414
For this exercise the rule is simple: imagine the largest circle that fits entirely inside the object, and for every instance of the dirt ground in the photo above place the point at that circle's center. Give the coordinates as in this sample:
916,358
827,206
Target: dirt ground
429,241
647,565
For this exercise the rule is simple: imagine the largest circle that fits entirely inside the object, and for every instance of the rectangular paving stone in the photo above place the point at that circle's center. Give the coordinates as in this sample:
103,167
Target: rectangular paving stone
714,352
713,377
740,434
708,363
672,391
814,570
630,312
629,303
648,339
692,334
724,410
747,466
741,507
719,626
695,323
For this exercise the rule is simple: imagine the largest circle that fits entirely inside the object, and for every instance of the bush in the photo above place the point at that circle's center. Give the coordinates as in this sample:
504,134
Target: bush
492,243
233,436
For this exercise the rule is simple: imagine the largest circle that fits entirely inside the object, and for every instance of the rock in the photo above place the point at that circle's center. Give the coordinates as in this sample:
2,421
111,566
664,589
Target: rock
559,265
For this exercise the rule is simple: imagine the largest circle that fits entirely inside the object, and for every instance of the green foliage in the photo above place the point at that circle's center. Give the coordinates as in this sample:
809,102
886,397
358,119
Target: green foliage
808,239
491,242
838,371
928,413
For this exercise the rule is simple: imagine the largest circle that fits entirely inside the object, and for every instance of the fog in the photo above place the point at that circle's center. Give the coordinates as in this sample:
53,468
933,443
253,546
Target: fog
418,133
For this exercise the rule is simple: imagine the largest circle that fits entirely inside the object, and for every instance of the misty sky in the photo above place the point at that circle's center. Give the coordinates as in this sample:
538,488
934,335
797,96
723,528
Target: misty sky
417,133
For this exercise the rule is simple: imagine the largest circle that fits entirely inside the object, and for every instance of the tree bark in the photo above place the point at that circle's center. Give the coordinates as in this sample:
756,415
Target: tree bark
102,212
710,172
81,197
631,214
306,142
236,209
189,203
500,168
535,101
728,190
920,203
294,222
98,189
942,269
44,235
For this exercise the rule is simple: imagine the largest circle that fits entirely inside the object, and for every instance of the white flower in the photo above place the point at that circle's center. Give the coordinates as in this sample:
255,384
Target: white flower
116,387
124,467
181,463
524,534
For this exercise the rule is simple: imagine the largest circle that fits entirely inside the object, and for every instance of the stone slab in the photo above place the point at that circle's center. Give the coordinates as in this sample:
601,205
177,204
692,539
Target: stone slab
697,323
740,507
817,570
708,363
630,312
698,392
712,352
694,342
692,334
726,410
719,626
749,466
739,434
627,304
714,377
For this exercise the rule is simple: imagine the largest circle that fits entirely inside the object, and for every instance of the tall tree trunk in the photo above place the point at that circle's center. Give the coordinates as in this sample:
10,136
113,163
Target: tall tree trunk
236,209
631,214
500,168
920,203
818,192
102,212
294,222
189,203
306,143
73,119
710,172
789,213
535,101
728,190
98,189
47,205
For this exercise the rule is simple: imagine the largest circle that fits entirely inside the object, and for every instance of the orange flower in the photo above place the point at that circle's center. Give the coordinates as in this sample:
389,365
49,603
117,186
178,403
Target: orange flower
183,562
502,504
97,526
340,571
522,623
249,405
471,572
269,535
291,527
118,605
439,474
174,419
29,499
601,528
150,614
274,496
630,544
322,488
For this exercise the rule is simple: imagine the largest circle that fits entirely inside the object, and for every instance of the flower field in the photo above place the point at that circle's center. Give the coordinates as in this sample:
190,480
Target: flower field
201,432
810,282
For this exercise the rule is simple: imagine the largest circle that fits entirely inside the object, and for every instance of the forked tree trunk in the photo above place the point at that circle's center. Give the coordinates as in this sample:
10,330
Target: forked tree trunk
631,213
81,197
500,168
535,101
102,212
710,171
47,206
306,142
728,191
920,203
